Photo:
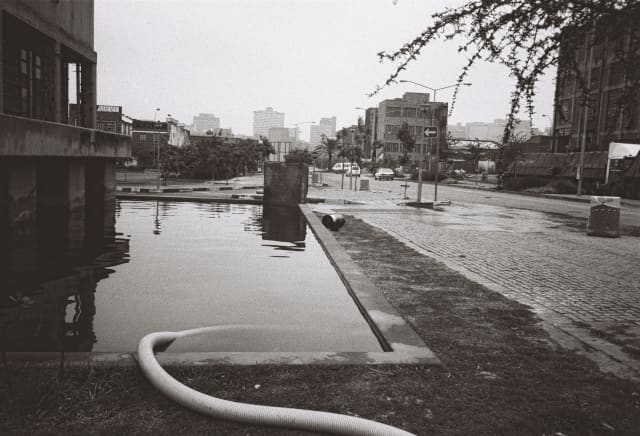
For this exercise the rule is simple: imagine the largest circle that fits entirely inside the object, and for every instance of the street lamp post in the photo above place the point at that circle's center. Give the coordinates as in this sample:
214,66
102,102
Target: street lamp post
157,140
435,90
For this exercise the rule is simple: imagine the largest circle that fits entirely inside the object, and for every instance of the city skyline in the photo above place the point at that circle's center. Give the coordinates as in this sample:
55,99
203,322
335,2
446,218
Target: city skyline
183,64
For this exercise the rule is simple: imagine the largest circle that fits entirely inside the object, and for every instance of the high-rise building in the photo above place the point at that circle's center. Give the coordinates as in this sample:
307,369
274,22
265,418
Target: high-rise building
264,120
204,122
326,127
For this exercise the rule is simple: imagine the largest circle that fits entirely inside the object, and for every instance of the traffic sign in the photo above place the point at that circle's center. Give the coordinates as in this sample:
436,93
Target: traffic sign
430,132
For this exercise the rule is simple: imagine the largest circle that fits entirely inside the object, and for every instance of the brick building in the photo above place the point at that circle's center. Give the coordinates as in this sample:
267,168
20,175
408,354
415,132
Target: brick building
608,119
108,119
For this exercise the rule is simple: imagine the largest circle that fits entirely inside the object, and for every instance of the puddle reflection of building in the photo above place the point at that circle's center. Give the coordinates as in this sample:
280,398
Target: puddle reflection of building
284,224
53,307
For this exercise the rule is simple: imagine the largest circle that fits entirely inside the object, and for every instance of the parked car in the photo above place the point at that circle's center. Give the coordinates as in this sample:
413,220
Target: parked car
384,174
399,172
340,167
353,171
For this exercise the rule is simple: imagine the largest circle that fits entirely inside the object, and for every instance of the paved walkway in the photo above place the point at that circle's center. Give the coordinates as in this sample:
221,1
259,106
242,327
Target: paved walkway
589,287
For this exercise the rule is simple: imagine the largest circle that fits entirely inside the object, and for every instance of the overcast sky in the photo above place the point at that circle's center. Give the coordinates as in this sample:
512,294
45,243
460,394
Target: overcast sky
306,58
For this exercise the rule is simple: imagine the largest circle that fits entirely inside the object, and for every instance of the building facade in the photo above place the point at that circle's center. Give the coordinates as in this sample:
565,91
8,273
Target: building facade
108,119
57,181
605,118
149,140
371,134
326,127
266,119
491,131
282,142
415,109
204,122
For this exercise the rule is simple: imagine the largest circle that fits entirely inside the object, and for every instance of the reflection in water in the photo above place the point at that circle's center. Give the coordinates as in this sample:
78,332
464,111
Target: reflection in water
285,224
50,306
178,266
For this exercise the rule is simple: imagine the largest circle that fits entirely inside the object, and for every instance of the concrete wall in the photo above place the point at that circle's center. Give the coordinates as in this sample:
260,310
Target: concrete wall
285,183
51,205
67,21
27,137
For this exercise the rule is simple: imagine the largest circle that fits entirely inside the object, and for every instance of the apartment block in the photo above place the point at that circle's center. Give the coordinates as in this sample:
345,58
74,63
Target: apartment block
263,120
419,112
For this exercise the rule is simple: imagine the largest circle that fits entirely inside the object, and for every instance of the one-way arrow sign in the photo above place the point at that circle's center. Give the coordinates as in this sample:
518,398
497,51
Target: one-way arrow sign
431,132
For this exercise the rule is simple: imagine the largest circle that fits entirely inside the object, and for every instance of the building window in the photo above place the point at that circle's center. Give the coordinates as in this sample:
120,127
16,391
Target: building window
595,78
409,112
24,63
616,73
391,131
425,112
143,139
567,84
393,112
613,110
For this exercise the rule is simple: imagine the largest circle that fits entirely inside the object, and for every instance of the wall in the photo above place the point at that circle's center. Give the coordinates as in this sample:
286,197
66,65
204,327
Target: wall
69,21
285,183
27,137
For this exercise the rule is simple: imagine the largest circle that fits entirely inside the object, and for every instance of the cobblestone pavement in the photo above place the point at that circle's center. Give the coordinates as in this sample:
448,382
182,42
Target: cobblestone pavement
544,260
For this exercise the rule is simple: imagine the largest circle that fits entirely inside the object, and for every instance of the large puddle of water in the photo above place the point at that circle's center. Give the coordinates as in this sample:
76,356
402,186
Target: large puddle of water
175,266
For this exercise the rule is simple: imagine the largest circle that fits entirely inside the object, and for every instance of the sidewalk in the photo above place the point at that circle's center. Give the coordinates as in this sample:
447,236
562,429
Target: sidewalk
467,184
584,288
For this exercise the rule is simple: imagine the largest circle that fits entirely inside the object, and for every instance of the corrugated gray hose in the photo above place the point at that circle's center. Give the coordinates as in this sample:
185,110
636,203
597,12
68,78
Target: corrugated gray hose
309,420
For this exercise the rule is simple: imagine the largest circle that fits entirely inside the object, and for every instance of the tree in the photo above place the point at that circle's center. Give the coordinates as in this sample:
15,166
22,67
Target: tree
351,153
408,142
528,38
266,148
329,146
173,162
299,156
474,150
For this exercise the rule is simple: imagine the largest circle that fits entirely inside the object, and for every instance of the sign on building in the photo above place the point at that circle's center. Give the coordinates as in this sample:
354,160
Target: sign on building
431,132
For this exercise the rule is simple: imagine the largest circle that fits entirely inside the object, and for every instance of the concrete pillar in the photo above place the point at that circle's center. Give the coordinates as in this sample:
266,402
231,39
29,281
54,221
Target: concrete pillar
57,82
1,67
22,205
109,196
94,201
52,207
4,216
89,93
76,196
285,183
100,199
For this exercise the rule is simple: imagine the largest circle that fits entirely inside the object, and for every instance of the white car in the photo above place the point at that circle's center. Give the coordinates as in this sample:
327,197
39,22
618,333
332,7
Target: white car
353,171
384,174
340,167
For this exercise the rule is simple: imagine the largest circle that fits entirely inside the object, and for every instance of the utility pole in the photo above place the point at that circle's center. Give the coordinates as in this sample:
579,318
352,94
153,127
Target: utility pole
157,140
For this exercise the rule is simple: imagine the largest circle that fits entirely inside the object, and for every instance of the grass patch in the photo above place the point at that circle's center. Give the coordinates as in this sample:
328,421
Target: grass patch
501,374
